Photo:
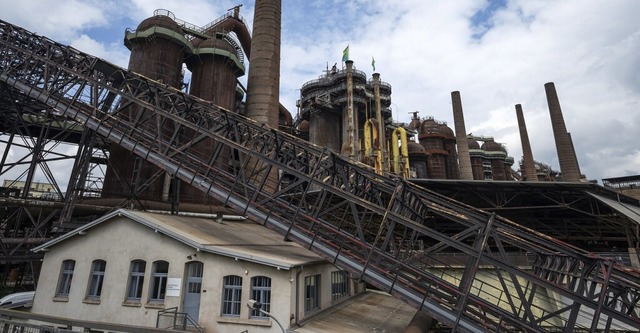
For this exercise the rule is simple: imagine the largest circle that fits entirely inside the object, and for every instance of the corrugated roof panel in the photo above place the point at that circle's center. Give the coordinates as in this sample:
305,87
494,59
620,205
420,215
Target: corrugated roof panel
630,211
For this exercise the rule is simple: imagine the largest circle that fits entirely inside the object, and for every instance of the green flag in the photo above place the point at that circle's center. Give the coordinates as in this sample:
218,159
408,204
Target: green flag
345,54
373,63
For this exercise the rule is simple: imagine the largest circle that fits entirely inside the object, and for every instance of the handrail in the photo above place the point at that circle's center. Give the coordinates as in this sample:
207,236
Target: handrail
202,30
178,320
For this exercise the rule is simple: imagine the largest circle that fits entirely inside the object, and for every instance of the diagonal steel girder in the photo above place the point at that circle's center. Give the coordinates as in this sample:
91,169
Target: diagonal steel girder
376,235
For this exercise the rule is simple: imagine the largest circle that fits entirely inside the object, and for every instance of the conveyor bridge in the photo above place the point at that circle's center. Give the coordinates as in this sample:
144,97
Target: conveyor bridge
460,265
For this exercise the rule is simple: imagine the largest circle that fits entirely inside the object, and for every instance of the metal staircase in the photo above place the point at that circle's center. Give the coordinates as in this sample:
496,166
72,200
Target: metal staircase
461,265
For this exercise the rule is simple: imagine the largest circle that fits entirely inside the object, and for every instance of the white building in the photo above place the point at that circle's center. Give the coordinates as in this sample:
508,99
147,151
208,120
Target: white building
127,266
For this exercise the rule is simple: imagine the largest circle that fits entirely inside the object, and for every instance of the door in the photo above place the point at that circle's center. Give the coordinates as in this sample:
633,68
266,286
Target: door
193,288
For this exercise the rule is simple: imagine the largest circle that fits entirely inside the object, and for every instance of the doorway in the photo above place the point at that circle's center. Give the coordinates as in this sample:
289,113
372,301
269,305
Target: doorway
193,289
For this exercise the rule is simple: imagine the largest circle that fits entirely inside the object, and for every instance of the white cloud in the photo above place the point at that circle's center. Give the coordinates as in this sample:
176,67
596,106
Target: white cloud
425,50
60,20
112,52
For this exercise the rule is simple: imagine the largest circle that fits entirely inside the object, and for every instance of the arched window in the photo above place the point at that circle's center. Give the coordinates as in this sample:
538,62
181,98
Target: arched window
261,292
136,280
231,295
159,281
66,275
97,278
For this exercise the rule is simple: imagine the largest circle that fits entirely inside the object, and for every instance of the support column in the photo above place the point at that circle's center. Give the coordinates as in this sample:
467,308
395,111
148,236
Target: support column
349,142
382,140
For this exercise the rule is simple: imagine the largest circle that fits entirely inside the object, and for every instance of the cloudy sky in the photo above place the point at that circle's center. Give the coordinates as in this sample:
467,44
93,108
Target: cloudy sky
497,53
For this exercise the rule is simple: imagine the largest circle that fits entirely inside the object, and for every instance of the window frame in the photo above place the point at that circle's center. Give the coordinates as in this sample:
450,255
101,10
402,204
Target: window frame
261,292
158,285
135,284
231,296
340,286
312,292
66,278
96,279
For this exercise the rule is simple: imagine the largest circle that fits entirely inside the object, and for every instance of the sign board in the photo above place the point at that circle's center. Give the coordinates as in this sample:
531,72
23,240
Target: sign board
173,286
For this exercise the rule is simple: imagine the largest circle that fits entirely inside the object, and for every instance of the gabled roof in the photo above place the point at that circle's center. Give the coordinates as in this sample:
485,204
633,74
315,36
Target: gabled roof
232,237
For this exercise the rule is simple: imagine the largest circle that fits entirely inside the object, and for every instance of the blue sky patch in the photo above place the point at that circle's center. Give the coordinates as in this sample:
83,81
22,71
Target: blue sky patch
482,20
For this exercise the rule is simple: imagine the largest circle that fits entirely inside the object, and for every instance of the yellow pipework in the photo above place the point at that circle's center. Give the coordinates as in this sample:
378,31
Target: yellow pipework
400,154
371,146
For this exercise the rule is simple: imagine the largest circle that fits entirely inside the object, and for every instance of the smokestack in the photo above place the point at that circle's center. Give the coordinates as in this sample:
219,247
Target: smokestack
566,153
263,83
527,155
464,159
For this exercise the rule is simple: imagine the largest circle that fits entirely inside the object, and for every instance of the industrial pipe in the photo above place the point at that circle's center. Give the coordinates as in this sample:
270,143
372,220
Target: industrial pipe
400,154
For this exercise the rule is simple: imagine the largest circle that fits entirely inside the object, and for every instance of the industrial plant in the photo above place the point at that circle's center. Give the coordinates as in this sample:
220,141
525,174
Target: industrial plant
204,205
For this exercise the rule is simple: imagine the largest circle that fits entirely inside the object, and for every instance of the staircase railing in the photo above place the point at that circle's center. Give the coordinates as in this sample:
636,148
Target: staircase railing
343,211
172,319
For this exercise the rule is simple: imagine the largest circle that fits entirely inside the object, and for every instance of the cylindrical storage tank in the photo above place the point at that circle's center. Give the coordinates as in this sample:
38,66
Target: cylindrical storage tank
157,48
156,52
325,130
432,139
215,68
449,144
508,163
495,153
418,160
303,130
476,155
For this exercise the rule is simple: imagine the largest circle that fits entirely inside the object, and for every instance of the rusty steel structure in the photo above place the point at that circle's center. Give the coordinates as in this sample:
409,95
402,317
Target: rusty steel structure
393,234
335,113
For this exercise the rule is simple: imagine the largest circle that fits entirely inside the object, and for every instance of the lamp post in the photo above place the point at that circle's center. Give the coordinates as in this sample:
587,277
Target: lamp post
255,305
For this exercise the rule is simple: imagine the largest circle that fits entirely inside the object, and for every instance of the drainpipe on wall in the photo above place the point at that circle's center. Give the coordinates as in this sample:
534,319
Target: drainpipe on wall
298,294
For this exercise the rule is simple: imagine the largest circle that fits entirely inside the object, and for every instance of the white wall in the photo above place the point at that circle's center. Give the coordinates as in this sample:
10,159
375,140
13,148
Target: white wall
120,242
324,270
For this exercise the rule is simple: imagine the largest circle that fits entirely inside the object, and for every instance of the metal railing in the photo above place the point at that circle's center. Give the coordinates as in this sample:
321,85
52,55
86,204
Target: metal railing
15,321
172,319
22,327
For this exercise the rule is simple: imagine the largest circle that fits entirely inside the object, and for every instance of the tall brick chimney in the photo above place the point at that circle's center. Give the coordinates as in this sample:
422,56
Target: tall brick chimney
464,159
527,155
263,83
566,153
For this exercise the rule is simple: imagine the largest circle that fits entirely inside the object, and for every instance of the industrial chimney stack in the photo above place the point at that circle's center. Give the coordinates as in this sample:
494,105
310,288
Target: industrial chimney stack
527,156
566,153
464,159
263,83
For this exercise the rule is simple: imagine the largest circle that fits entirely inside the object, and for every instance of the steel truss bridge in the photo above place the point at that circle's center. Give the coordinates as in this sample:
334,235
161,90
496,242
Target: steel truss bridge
471,270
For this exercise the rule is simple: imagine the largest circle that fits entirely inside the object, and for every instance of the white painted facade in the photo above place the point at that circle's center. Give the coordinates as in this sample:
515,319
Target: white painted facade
122,237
